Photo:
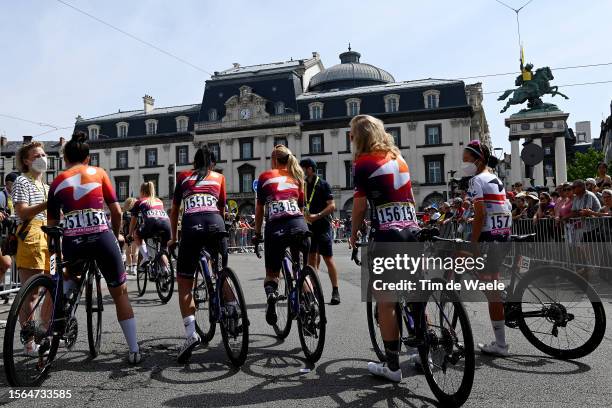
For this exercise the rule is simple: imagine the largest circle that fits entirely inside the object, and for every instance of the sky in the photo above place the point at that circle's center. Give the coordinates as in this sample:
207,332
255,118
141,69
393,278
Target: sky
56,63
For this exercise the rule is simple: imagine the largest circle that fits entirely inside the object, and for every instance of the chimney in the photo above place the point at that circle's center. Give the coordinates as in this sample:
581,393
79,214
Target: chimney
236,65
315,55
148,103
3,141
62,141
27,139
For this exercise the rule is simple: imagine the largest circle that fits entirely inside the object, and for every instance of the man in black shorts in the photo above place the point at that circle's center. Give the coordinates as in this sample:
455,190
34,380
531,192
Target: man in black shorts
319,207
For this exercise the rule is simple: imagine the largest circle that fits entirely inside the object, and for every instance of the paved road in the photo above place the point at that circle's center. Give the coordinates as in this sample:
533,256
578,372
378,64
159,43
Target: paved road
271,376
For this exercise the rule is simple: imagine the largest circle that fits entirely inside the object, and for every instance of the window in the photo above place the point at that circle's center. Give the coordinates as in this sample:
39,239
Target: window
122,159
182,155
122,129
548,170
122,185
281,141
50,177
151,125
316,110
316,143
216,150
94,132
94,159
348,171
246,148
433,134
432,99
434,169
1,179
212,115
150,157
246,175
352,106
154,178
547,150
348,140
279,108
322,170
182,123
51,163
2,167
395,133
581,137
391,103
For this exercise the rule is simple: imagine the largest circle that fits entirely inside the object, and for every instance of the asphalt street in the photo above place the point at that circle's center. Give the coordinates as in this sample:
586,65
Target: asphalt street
272,375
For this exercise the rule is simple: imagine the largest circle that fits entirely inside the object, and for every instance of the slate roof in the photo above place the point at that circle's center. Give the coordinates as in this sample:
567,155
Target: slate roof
140,114
269,68
11,147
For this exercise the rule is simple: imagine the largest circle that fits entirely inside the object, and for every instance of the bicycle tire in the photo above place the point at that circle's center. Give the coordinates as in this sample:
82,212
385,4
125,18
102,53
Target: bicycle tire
373,328
94,306
166,295
466,352
580,284
313,354
203,293
282,329
8,351
141,279
238,358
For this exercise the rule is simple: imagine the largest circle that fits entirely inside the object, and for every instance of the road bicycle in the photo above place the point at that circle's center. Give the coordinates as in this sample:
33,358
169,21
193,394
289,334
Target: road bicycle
160,270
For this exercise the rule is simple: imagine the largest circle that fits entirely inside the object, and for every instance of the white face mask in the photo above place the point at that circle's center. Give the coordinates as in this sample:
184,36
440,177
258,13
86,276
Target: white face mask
39,164
469,169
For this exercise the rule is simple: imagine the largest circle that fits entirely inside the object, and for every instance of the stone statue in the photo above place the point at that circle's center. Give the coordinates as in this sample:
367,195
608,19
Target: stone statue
531,87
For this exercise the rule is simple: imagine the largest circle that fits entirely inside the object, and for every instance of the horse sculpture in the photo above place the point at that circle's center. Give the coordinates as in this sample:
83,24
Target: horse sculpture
531,90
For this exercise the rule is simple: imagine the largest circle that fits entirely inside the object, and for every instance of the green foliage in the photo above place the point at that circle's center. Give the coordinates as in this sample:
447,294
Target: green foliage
584,165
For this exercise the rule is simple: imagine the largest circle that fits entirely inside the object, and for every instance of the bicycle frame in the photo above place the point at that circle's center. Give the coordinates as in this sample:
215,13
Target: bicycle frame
206,274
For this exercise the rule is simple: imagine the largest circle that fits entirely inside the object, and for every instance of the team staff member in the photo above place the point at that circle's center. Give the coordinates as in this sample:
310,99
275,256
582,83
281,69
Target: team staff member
320,206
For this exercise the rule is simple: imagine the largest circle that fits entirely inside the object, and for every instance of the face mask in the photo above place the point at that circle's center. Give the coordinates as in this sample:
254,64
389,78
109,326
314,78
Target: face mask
40,164
468,168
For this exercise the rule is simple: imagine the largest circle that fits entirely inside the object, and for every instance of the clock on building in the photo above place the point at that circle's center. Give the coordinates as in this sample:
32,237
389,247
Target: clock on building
245,113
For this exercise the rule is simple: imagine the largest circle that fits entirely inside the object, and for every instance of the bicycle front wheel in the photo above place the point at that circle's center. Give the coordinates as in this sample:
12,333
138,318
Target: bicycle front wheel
203,291
560,313
165,278
311,316
234,321
30,337
374,329
282,327
447,352
94,306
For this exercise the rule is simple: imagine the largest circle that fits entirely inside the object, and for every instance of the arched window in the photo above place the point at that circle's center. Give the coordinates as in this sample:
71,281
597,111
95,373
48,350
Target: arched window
279,108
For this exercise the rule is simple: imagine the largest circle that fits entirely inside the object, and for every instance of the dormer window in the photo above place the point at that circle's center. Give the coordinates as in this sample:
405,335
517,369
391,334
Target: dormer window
94,131
151,126
316,110
122,129
353,106
182,123
212,115
432,99
279,108
391,103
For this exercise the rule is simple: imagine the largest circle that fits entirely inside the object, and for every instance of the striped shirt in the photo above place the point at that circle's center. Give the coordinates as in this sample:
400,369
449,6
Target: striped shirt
25,191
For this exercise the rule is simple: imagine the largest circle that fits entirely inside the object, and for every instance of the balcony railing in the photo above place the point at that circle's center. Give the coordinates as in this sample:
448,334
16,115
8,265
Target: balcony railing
229,124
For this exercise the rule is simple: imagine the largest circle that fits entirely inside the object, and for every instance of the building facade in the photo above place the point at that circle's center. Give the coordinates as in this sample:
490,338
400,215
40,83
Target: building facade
53,148
605,136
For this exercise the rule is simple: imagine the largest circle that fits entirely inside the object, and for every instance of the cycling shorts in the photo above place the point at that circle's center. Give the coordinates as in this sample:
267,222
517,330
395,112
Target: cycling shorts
199,232
152,227
394,235
496,248
278,238
321,240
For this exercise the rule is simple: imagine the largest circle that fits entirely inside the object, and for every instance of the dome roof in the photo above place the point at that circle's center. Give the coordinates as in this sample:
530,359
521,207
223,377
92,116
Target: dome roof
350,73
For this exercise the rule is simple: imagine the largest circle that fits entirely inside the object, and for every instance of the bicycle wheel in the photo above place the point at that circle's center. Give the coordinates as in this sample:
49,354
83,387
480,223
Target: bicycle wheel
374,329
282,327
559,312
141,278
94,307
234,320
203,292
447,348
29,326
165,278
311,317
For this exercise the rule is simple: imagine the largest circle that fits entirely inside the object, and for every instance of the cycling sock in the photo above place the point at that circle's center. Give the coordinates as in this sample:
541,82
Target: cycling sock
392,352
189,323
144,251
270,287
129,332
500,332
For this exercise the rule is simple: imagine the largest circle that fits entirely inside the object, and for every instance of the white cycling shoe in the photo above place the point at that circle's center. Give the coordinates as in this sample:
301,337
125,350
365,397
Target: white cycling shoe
381,370
134,357
494,349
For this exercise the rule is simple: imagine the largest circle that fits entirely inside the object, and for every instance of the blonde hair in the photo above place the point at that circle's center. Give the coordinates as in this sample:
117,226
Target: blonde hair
369,135
282,155
22,155
147,189
128,204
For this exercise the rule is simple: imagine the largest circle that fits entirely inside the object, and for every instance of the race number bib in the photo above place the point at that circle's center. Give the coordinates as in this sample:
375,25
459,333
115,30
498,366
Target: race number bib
283,208
499,223
156,214
81,222
200,203
396,216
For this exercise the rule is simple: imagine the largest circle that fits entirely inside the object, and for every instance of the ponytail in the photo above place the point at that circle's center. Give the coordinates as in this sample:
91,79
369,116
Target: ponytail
284,156
148,189
203,161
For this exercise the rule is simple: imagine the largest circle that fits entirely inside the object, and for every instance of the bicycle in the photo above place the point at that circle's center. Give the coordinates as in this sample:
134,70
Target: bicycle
218,298
526,301
49,316
158,271
431,328
306,305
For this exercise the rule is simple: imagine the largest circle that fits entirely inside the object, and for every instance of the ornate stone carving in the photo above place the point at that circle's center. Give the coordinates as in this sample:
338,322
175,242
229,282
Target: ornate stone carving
412,126
107,152
166,147
334,132
136,149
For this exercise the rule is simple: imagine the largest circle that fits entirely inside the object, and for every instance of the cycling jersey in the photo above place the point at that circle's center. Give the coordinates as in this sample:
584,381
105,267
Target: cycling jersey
148,209
204,196
385,182
487,188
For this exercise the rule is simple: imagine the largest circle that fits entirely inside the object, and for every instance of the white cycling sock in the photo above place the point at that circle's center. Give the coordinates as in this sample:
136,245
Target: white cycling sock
144,251
129,332
189,323
499,328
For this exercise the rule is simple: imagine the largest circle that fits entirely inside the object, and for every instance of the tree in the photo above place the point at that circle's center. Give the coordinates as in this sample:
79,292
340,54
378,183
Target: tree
584,164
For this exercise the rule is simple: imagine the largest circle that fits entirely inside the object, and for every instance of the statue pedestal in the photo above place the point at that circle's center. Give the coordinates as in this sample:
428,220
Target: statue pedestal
547,129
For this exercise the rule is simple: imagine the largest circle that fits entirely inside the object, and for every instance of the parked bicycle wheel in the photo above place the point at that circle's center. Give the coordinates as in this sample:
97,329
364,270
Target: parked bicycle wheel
235,321
165,278
311,318
560,313
94,308
374,329
202,295
448,349
282,327
28,347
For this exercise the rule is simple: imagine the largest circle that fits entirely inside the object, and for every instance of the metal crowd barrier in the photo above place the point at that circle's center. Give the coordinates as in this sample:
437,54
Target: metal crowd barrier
10,282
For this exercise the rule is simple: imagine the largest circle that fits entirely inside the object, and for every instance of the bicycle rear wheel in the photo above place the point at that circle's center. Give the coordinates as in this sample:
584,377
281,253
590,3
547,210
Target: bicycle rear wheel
311,316
282,327
165,278
203,292
560,313
447,352
30,337
141,278
94,308
234,321
374,329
